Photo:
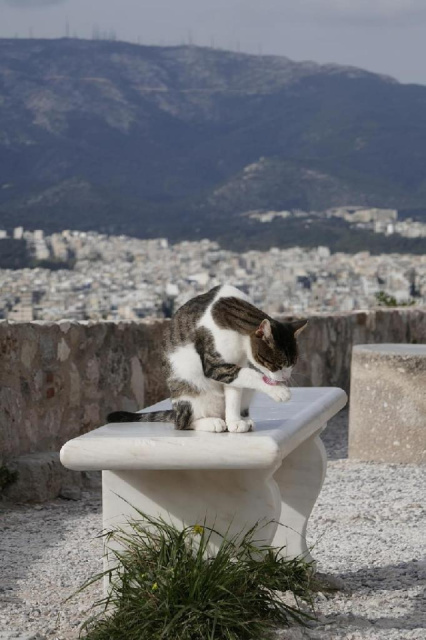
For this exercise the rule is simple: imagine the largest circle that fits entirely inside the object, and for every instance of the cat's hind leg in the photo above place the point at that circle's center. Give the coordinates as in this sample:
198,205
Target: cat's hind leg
207,412
183,414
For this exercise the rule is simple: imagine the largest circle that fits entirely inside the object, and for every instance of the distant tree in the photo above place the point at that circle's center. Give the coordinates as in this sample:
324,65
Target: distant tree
414,289
386,300
168,306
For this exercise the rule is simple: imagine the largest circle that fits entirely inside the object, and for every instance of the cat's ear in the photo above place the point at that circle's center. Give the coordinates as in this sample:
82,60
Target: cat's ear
264,330
298,326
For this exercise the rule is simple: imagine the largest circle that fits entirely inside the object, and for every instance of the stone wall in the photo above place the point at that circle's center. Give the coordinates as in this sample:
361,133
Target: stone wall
326,344
59,380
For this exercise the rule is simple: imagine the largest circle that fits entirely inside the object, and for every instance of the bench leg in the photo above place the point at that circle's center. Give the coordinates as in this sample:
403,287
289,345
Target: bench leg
299,479
229,501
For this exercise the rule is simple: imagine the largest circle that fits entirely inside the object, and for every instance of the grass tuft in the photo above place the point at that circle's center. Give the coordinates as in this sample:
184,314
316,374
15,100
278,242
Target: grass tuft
168,584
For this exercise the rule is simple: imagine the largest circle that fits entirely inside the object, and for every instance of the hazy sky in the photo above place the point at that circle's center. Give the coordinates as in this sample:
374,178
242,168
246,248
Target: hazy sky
387,36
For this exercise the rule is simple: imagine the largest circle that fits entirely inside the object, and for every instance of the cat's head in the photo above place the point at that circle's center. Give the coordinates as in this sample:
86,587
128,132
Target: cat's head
274,348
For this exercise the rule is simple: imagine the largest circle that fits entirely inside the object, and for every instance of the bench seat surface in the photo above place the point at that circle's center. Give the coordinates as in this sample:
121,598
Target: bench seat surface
280,428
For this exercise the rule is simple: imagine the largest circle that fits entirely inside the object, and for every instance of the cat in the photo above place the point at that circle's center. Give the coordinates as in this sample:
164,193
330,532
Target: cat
218,350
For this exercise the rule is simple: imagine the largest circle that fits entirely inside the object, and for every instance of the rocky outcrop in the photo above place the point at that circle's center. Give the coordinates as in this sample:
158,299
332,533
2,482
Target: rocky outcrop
222,133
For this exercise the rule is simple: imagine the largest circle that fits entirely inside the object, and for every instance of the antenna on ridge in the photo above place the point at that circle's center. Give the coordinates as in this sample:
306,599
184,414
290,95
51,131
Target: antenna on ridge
67,29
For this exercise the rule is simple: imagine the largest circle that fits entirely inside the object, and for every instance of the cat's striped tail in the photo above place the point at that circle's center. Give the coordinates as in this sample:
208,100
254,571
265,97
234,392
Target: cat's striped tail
152,416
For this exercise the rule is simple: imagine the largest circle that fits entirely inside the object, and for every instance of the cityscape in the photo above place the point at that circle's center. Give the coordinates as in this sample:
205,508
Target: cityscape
278,147
124,278
383,221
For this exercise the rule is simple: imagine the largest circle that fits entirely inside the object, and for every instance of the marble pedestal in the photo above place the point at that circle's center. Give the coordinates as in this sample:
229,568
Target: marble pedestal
387,417
231,481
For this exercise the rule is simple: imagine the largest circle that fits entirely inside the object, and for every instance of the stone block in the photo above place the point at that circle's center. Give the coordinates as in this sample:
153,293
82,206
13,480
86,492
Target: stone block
387,416
91,480
41,477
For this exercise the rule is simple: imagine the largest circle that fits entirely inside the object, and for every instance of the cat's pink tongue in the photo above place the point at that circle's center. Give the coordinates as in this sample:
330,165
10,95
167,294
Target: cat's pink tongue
267,380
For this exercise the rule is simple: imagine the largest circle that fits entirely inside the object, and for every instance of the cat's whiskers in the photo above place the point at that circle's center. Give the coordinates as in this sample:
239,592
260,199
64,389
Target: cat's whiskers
295,383
302,375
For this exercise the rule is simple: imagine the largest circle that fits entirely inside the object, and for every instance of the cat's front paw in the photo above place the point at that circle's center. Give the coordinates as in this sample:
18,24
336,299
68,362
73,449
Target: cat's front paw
279,393
216,425
240,426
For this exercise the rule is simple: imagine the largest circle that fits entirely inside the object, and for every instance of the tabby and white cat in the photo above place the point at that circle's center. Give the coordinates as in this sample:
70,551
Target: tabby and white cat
218,350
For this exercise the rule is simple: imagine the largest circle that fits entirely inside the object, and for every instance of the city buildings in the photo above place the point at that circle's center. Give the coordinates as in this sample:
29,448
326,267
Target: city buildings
118,277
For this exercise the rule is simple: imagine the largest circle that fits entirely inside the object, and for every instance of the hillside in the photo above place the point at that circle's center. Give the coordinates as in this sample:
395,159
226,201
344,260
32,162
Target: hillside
181,141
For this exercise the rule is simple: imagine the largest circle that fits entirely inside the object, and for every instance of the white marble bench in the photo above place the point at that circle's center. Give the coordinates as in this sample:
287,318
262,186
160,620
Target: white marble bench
229,480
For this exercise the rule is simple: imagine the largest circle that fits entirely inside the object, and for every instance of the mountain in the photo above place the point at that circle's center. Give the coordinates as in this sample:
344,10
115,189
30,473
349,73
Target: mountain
184,141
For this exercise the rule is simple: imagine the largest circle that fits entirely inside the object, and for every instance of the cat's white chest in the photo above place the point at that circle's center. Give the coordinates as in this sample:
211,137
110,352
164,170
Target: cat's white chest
230,345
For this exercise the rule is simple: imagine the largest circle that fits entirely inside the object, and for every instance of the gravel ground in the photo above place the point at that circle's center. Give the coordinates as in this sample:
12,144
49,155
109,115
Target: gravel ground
368,531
